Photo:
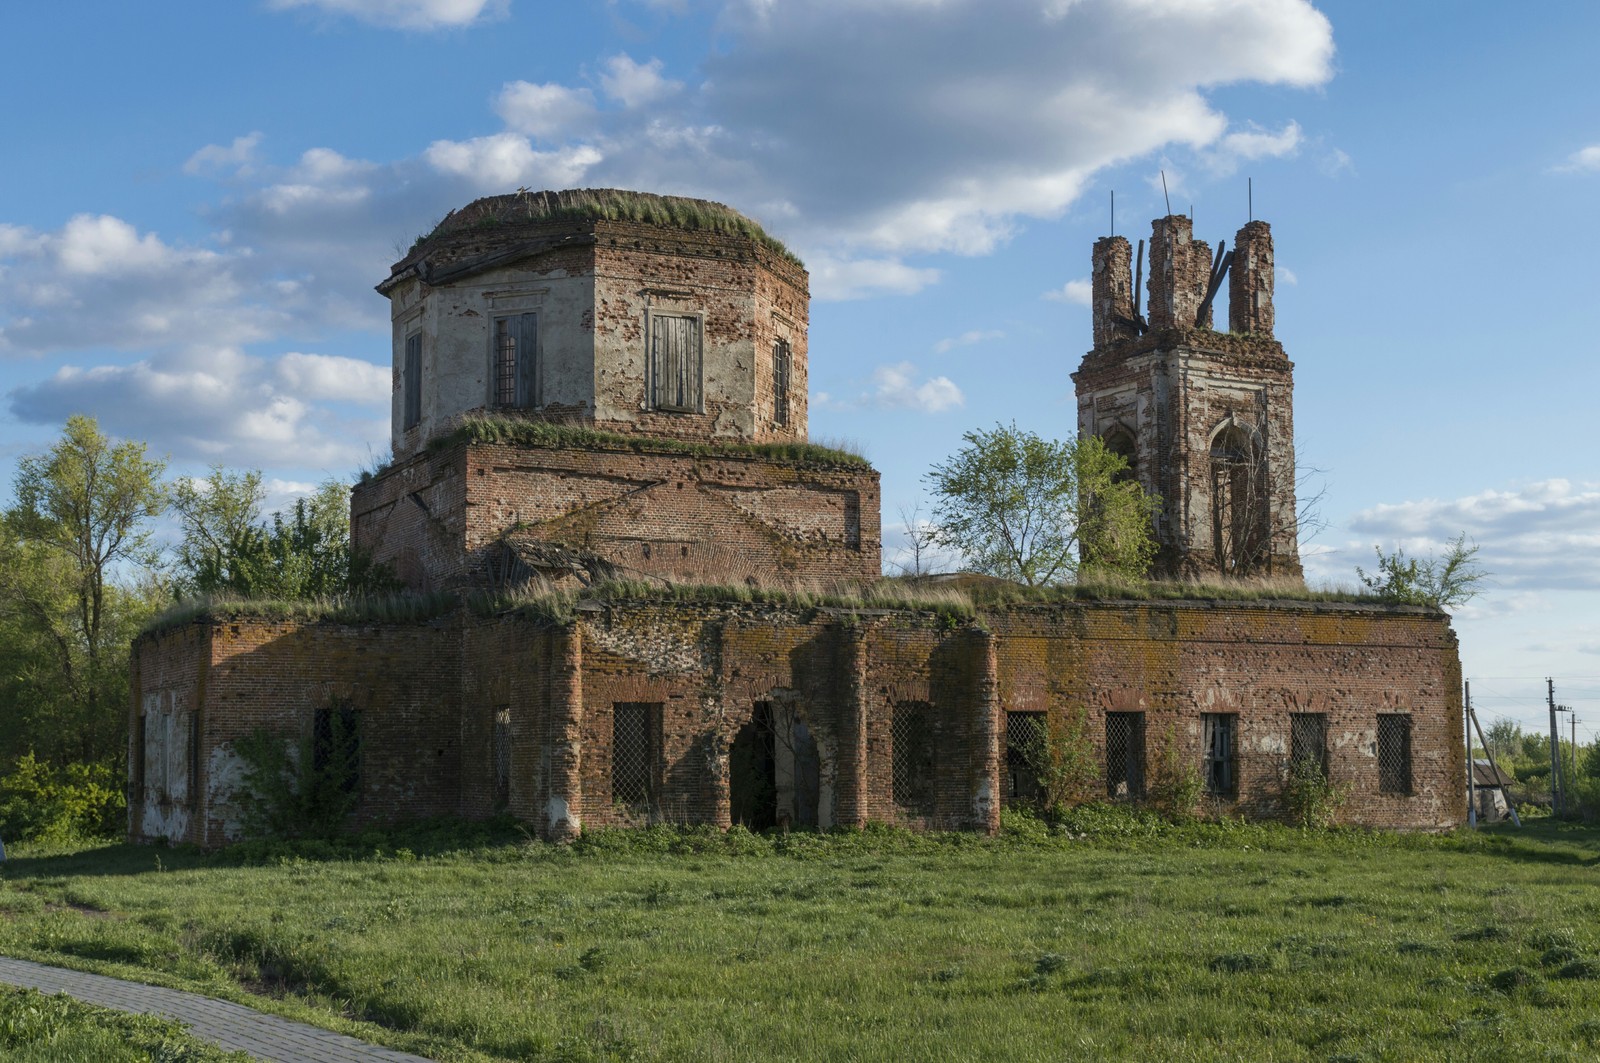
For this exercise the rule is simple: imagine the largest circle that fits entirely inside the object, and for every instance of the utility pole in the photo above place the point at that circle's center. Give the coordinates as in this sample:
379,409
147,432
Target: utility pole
1555,750
1466,730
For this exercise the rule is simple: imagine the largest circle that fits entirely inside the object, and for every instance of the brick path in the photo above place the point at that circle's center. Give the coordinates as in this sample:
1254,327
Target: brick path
233,1026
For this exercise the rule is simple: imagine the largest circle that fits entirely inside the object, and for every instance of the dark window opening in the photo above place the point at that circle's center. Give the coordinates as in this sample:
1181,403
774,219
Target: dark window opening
752,772
336,748
413,382
1120,442
1239,502
635,738
912,747
1394,753
501,750
1221,734
780,381
1308,742
1125,754
1026,751
516,361
675,363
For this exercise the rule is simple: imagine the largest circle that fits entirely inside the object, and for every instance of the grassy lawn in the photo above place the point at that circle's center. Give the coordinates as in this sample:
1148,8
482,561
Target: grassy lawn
1132,942
35,1028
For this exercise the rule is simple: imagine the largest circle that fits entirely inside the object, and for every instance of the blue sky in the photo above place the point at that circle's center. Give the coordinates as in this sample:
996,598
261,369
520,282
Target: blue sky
198,197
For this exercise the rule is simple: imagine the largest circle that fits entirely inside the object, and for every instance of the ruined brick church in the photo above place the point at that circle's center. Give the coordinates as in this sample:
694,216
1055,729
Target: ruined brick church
597,386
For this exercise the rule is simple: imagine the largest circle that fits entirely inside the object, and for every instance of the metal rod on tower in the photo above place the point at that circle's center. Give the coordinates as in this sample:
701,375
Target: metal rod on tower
1250,198
1164,192
1113,212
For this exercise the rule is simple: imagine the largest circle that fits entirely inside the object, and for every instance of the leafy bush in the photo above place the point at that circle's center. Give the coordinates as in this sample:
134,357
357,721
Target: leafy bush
1176,785
1310,797
304,789
40,802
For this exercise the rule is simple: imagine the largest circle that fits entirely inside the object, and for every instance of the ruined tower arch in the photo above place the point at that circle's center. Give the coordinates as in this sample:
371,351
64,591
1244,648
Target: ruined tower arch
1121,441
1240,498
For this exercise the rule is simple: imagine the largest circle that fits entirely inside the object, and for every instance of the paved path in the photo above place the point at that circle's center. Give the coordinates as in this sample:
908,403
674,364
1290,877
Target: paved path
233,1026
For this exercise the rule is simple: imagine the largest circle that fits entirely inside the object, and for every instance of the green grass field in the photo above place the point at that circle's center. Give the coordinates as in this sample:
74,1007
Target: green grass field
1137,941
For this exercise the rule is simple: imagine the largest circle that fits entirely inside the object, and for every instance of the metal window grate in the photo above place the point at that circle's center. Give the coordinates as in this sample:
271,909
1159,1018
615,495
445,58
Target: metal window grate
1221,741
1125,754
780,381
336,746
413,381
632,751
1394,753
912,746
1025,750
501,742
1308,739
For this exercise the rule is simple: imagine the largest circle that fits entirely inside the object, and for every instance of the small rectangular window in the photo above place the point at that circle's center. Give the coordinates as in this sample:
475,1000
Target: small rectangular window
1125,754
912,757
1221,732
1025,752
675,365
413,381
1308,740
501,752
635,748
1394,753
780,381
516,361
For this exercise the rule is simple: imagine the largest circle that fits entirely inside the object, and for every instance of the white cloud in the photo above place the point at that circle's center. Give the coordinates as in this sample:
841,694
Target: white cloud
1079,292
219,404
1584,160
405,14
1543,535
1253,143
504,161
901,386
967,339
217,157
1285,275
635,84
546,110
836,280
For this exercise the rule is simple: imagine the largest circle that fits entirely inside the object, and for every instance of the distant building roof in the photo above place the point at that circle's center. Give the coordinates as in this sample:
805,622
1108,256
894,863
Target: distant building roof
1484,775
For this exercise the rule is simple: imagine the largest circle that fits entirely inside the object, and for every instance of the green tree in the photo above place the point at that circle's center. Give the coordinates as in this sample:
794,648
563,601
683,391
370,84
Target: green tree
304,553
82,520
1034,510
1449,580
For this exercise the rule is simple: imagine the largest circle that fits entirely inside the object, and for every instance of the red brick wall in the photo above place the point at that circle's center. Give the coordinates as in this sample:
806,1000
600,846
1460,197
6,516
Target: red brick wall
429,692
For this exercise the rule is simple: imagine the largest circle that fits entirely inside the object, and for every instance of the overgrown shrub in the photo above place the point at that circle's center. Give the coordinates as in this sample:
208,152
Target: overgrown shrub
300,789
1063,760
1309,796
1175,785
41,802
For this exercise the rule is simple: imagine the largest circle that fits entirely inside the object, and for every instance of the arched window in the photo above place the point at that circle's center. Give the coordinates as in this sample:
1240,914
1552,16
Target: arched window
1119,440
1239,502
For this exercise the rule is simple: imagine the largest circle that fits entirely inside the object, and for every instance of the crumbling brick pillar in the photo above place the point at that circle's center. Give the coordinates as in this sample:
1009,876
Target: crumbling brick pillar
851,807
566,735
988,736
1250,281
1112,288
1180,269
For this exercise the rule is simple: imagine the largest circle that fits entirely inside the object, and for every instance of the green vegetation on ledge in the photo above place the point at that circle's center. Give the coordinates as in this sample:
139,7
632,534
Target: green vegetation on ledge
533,433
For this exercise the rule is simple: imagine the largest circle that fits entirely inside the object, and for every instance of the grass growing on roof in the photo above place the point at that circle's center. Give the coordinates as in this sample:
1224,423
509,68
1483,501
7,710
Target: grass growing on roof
379,609
1125,939
535,433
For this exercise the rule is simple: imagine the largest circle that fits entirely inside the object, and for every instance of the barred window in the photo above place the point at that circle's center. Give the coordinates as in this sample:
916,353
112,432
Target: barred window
912,748
675,362
501,743
780,381
1308,740
1125,754
635,742
1221,734
516,361
1025,751
1394,753
413,381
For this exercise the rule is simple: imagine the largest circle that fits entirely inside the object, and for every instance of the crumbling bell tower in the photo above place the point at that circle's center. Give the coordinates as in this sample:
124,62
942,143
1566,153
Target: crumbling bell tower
1205,418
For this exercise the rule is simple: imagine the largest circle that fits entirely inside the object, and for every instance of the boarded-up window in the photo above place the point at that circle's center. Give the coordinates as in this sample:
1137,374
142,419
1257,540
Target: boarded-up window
635,738
1220,735
1394,753
912,759
413,381
516,361
675,363
501,750
780,381
1025,752
336,747
1308,740
1125,754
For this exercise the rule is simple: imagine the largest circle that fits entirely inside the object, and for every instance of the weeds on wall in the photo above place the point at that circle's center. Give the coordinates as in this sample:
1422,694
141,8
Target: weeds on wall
524,431
303,788
1062,758
1310,797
